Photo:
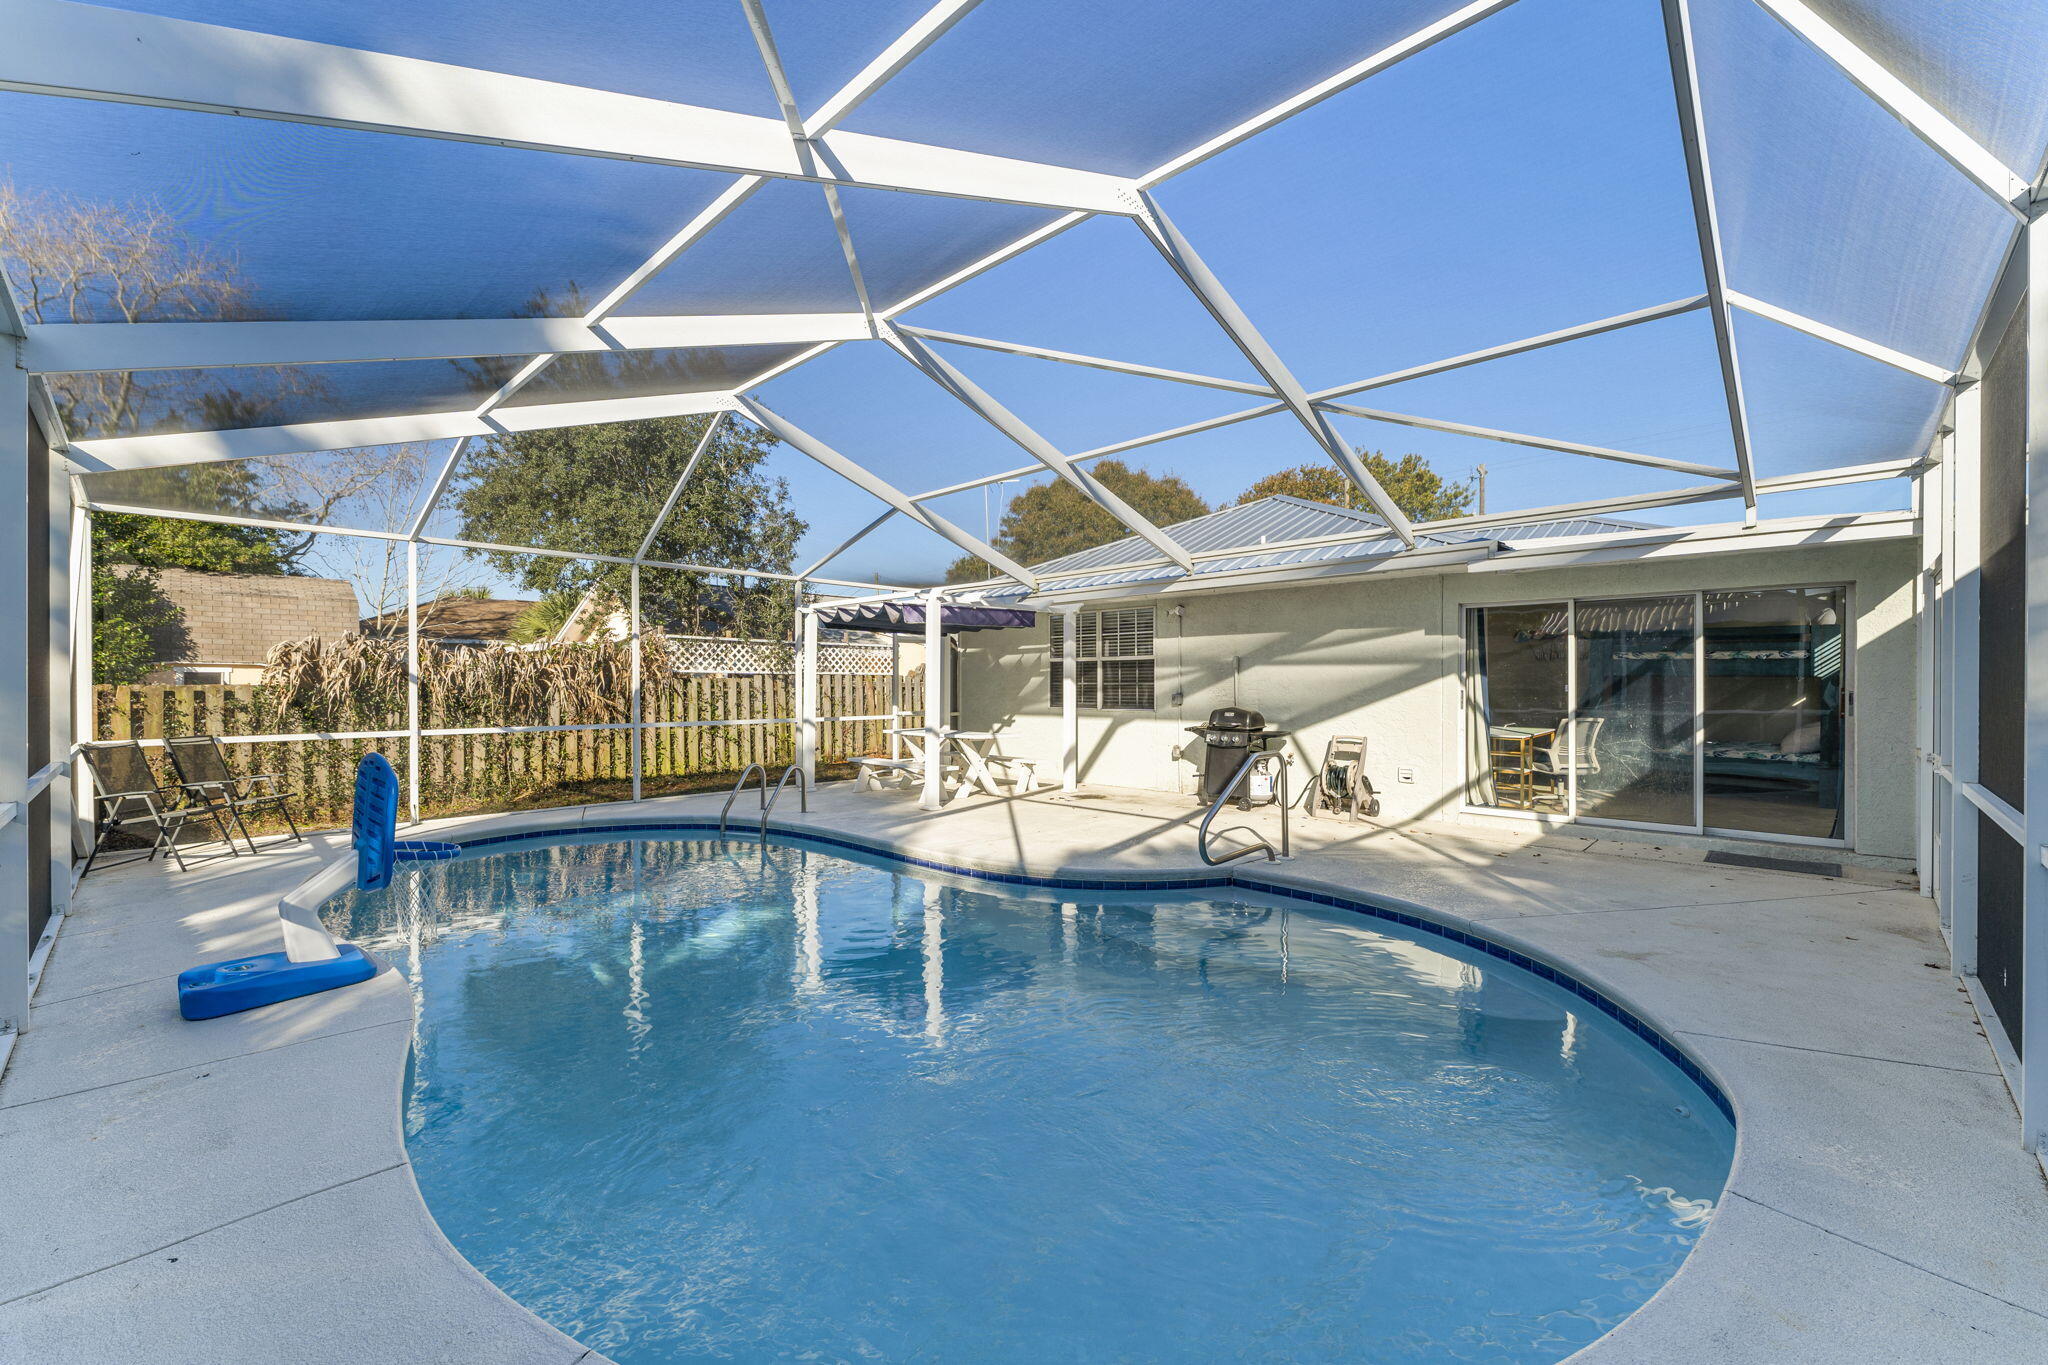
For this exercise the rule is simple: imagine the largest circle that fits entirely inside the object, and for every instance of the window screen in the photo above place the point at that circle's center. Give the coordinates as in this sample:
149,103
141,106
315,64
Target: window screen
1112,656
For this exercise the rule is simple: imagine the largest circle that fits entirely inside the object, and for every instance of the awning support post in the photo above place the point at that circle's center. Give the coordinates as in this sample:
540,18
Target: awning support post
1070,701
638,682
807,695
934,702
412,682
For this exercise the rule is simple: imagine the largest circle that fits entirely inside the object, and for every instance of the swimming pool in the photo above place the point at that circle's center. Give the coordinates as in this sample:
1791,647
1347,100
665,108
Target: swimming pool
690,1100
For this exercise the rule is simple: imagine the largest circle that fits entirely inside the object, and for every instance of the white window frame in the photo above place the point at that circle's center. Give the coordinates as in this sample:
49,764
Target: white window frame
1088,660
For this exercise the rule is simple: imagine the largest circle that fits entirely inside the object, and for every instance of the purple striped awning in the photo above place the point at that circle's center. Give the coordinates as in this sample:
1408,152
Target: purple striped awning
907,618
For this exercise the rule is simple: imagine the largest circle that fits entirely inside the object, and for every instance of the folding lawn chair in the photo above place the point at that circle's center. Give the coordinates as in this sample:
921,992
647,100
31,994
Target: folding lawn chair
203,771
129,795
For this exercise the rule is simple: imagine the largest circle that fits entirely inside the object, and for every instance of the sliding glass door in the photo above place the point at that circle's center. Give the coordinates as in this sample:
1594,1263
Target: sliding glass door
1703,711
1635,718
1776,712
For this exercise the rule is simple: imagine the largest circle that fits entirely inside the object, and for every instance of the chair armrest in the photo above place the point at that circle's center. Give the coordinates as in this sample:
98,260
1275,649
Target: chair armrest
109,805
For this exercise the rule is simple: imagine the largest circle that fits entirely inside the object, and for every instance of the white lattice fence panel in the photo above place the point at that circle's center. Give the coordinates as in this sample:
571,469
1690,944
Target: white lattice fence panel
717,654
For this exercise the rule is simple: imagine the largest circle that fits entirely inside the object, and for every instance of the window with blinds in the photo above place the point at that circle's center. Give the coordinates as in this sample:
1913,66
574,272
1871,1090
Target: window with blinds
1112,656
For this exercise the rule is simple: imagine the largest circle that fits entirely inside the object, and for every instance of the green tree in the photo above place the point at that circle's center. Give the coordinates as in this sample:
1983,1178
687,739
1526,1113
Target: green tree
131,616
598,488
1057,519
544,618
1416,489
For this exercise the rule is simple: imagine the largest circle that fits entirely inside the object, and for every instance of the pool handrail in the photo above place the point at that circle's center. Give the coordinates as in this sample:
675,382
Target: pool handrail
803,793
1251,761
740,786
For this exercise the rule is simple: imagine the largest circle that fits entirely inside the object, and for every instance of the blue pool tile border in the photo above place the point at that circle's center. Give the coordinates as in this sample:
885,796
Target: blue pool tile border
1627,1018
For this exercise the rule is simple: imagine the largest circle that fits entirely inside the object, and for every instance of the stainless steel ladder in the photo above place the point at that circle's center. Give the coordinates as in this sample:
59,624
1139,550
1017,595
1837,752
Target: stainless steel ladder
768,798
1278,763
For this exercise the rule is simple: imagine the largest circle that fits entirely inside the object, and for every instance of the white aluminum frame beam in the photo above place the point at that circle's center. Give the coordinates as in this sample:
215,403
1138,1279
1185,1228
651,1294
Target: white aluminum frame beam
806,148
1091,362
58,48
1907,105
1848,341
1421,40
2033,1088
70,347
985,406
1514,438
862,590
863,478
195,447
675,495
1202,282
847,544
1706,220
927,30
1510,348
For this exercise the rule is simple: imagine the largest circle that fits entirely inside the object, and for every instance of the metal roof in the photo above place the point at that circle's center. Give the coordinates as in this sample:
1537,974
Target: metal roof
1277,519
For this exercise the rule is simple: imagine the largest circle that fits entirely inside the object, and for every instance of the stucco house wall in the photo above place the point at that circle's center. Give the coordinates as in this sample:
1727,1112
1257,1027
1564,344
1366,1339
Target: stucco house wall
1383,657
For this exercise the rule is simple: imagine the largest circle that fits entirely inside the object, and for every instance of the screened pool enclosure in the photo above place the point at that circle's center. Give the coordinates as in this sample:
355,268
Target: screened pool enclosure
1758,266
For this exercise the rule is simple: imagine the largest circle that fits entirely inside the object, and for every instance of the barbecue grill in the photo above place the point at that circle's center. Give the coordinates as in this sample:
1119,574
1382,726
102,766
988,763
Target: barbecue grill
1232,734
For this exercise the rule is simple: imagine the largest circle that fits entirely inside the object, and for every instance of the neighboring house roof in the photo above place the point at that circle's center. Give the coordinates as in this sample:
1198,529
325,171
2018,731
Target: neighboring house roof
457,620
1274,519
235,618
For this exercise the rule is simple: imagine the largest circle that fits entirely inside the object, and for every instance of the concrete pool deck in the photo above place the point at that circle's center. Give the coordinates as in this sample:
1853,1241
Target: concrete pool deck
236,1190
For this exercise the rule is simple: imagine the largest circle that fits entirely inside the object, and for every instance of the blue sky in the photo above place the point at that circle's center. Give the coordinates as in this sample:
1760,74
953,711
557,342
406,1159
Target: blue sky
1522,176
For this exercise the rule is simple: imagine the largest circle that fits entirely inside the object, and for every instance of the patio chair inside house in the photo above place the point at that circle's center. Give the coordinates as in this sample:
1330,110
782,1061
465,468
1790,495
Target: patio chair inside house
203,771
1573,751
129,800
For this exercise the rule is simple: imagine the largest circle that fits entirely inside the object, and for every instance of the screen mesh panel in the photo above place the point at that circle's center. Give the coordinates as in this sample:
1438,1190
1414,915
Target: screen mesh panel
696,52
2002,602
163,215
372,488
1653,389
1099,288
1829,207
1978,63
637,374
151,402
1815,405
1378,259
908,241
2001,926
1031,81
775,253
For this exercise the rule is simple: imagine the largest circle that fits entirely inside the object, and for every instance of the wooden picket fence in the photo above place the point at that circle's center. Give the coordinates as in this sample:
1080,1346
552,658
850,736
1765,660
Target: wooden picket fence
731,722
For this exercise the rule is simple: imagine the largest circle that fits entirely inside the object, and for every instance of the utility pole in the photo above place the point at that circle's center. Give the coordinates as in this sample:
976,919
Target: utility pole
1479,476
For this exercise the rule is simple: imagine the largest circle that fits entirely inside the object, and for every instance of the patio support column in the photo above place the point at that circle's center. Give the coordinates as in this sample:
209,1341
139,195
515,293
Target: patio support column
1927,495
84,721
412,681
2034,950
634,646
895,695
14,687
1070,701
57,680
1965,493
934,702
807,697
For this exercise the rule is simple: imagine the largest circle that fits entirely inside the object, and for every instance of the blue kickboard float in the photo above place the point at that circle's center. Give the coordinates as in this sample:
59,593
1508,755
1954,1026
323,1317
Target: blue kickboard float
246,983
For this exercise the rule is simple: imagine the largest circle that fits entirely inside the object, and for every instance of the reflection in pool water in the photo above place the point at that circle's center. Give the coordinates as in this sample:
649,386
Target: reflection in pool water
696,1101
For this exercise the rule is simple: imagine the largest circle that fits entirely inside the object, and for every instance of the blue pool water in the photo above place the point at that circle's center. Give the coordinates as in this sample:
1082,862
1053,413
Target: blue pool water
692,1101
